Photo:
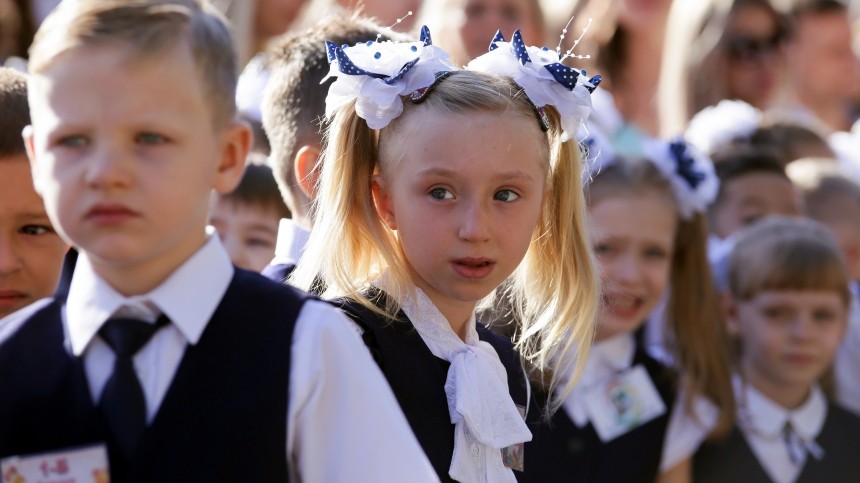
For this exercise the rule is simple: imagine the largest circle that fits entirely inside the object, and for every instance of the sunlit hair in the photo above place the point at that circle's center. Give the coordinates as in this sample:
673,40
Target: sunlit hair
148,28
694,58
554,291
693,316
781,253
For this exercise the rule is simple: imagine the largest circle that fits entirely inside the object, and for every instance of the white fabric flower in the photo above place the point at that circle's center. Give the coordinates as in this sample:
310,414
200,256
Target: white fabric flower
538,82
377,74
690,173
715,127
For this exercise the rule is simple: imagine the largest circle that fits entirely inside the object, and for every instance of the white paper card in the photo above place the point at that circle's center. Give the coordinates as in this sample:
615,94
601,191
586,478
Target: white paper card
79,465
623,403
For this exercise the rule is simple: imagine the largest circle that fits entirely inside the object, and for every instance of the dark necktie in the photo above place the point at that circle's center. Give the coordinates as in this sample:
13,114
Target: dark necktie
122,401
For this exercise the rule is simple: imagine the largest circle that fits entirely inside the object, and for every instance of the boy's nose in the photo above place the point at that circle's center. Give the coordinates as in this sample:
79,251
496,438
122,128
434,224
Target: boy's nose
10,262
106,167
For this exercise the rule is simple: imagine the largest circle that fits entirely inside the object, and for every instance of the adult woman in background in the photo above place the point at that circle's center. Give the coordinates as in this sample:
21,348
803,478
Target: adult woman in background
715,50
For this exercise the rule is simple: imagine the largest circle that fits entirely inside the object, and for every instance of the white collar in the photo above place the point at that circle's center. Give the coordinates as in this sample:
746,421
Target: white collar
767,418
189,296
607,358
292,239
485,417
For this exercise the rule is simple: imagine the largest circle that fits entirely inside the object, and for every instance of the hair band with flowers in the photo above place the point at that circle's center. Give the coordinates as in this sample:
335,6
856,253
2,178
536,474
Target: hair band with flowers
690,173
544,79
377,74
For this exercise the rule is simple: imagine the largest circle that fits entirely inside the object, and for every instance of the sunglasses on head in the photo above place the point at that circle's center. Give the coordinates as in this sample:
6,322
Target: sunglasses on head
751,49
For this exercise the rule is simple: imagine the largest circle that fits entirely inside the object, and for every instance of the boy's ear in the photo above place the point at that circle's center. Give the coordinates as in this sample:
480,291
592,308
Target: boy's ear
382,200
235,146
30,146
730,310
305,169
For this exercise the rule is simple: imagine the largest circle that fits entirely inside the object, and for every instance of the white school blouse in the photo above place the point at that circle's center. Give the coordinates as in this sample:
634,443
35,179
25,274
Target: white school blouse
332,375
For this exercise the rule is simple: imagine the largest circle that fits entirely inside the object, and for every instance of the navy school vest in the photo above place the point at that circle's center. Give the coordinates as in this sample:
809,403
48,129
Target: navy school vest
562,452
733,460
223,419
417,378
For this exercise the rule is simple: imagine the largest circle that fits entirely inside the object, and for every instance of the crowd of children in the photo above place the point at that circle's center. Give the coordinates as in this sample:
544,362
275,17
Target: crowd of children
404,265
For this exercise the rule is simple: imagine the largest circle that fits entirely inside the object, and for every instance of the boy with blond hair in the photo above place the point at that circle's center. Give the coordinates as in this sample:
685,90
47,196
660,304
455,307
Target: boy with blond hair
166,361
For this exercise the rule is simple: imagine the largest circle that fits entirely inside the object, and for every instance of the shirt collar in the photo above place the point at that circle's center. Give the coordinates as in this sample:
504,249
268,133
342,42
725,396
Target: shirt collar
292,239
608,357
189,296
768,418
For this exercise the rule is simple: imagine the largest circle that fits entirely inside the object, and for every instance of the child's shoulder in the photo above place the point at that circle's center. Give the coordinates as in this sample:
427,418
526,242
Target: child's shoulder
263,286
841,421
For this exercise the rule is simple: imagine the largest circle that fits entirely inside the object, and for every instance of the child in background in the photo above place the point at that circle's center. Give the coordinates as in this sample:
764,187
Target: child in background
787,307
293,117
648,230
753,184
247,218
166,363
31,252
427,205
833,199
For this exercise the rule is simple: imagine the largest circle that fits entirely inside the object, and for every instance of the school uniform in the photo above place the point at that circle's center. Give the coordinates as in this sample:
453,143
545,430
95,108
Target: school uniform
568,447
846,366
291,242
460,398
249,381
816,442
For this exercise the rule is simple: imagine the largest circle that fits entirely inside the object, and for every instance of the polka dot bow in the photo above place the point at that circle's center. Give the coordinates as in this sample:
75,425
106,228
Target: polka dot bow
377,74
543,77
690,173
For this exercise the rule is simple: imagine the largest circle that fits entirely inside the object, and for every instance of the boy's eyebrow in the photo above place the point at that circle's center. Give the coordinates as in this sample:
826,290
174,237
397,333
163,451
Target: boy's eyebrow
450,173
32,215
263,227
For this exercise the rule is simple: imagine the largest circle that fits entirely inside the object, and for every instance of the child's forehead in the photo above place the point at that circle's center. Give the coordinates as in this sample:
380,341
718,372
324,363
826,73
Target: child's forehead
113,82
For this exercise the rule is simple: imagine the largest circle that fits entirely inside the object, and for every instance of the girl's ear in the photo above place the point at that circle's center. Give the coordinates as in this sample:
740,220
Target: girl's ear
730,309
383,202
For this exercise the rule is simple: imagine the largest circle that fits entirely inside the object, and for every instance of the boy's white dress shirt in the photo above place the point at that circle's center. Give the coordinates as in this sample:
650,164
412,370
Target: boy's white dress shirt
344,423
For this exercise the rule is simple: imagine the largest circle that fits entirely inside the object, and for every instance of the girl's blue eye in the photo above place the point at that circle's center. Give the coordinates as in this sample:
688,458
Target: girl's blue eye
602,248
441,194
505,195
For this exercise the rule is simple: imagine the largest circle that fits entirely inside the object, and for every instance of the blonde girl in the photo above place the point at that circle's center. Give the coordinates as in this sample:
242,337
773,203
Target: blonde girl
787,312
648,230
426,206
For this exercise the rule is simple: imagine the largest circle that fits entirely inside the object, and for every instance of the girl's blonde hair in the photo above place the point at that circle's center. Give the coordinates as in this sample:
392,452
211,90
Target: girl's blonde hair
693,313
781,253
554,291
